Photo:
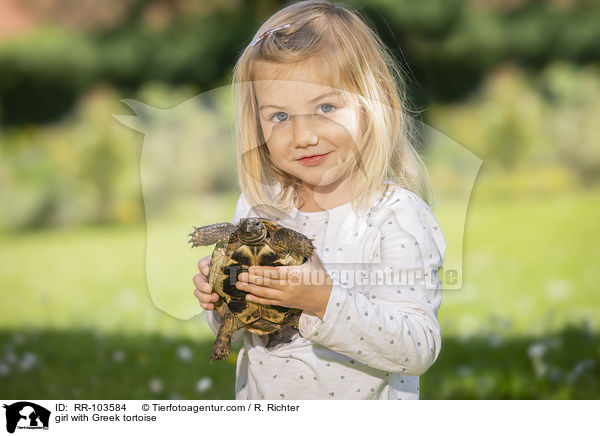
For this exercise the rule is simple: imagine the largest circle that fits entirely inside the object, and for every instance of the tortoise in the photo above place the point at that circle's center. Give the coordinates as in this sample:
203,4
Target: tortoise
253,241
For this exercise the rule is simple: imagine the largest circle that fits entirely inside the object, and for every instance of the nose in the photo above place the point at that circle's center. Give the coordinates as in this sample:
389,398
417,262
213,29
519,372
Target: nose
304,134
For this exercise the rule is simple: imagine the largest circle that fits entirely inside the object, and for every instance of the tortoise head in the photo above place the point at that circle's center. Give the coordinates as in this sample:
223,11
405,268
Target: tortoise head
252,231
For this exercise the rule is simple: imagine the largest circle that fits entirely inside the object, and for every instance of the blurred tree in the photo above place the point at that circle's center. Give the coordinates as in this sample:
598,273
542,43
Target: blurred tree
42,74
447,46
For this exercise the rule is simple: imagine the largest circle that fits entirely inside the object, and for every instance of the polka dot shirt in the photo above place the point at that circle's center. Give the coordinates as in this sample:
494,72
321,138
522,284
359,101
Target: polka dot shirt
380,330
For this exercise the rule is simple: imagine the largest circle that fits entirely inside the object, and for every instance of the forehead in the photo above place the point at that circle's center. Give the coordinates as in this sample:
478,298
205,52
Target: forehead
310,69
303,79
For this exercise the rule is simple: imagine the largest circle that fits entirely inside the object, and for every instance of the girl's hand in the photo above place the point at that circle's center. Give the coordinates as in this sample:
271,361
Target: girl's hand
306,287
203,291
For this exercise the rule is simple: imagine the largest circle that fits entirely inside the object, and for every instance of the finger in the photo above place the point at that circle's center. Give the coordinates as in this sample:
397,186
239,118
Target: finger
272,272
206,297
204,265
201,263
205,300
260,280
260,291
260,300
200,280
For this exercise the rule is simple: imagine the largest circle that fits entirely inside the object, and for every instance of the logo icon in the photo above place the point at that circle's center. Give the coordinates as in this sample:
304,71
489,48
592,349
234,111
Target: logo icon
26,415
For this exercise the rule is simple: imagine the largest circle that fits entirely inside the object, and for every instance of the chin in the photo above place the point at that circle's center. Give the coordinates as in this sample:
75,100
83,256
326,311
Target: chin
312,179
316,176
320,182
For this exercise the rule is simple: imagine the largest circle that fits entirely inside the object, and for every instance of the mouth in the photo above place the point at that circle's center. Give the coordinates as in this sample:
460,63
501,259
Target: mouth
313,159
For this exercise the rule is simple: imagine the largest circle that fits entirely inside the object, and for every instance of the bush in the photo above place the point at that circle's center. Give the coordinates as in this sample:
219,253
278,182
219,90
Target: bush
43,73
83,169
521,121
450,46
86,169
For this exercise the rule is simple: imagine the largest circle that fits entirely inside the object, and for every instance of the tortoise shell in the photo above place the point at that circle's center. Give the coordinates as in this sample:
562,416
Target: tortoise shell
253,241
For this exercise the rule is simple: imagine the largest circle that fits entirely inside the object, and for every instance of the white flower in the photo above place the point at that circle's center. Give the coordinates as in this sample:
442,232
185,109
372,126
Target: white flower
29,361
554,375
463,370
580,367
184,353
19,339
494,340
4,369
536,351
118,356
203,384
10,355
156,385
540,368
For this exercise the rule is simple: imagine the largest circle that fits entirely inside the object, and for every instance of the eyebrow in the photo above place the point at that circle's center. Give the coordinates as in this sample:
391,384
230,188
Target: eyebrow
312,101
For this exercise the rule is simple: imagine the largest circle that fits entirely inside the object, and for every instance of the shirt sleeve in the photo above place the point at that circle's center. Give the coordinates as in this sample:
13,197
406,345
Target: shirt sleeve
212,318
391,324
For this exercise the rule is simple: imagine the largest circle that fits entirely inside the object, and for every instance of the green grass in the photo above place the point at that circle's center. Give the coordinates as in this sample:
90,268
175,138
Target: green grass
81,364
560,365
84,364
95,277
530,265
75,297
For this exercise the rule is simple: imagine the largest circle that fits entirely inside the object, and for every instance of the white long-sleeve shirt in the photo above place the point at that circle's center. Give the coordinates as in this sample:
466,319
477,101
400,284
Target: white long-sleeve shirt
375,338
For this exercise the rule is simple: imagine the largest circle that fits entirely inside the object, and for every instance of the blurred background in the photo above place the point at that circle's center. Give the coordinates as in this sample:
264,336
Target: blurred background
517,83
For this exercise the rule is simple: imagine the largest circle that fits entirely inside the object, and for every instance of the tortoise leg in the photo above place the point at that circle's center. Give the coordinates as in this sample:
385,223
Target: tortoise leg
287,332
282,336
296,323
287,239
209,235
222,345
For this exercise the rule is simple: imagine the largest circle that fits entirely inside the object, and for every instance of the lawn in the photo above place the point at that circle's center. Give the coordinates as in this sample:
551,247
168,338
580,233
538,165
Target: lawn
77,319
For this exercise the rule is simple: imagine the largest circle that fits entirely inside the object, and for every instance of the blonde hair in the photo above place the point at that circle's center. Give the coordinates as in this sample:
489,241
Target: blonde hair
357,61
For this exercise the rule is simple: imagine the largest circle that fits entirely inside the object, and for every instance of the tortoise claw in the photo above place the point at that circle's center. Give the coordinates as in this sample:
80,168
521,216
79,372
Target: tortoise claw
212,234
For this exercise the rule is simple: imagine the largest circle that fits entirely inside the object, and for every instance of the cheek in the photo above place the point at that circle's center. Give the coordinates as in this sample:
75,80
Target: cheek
266,131
344,135
278,154
348,122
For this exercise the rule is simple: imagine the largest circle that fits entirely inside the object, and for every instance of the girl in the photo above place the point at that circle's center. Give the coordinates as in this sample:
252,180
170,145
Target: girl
324,148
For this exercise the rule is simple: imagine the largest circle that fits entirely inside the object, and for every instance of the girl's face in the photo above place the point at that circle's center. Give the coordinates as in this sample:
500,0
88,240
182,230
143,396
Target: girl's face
311,132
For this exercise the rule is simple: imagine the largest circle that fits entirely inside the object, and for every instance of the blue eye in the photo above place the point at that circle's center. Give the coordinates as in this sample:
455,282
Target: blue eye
328,105
278,119
276,116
